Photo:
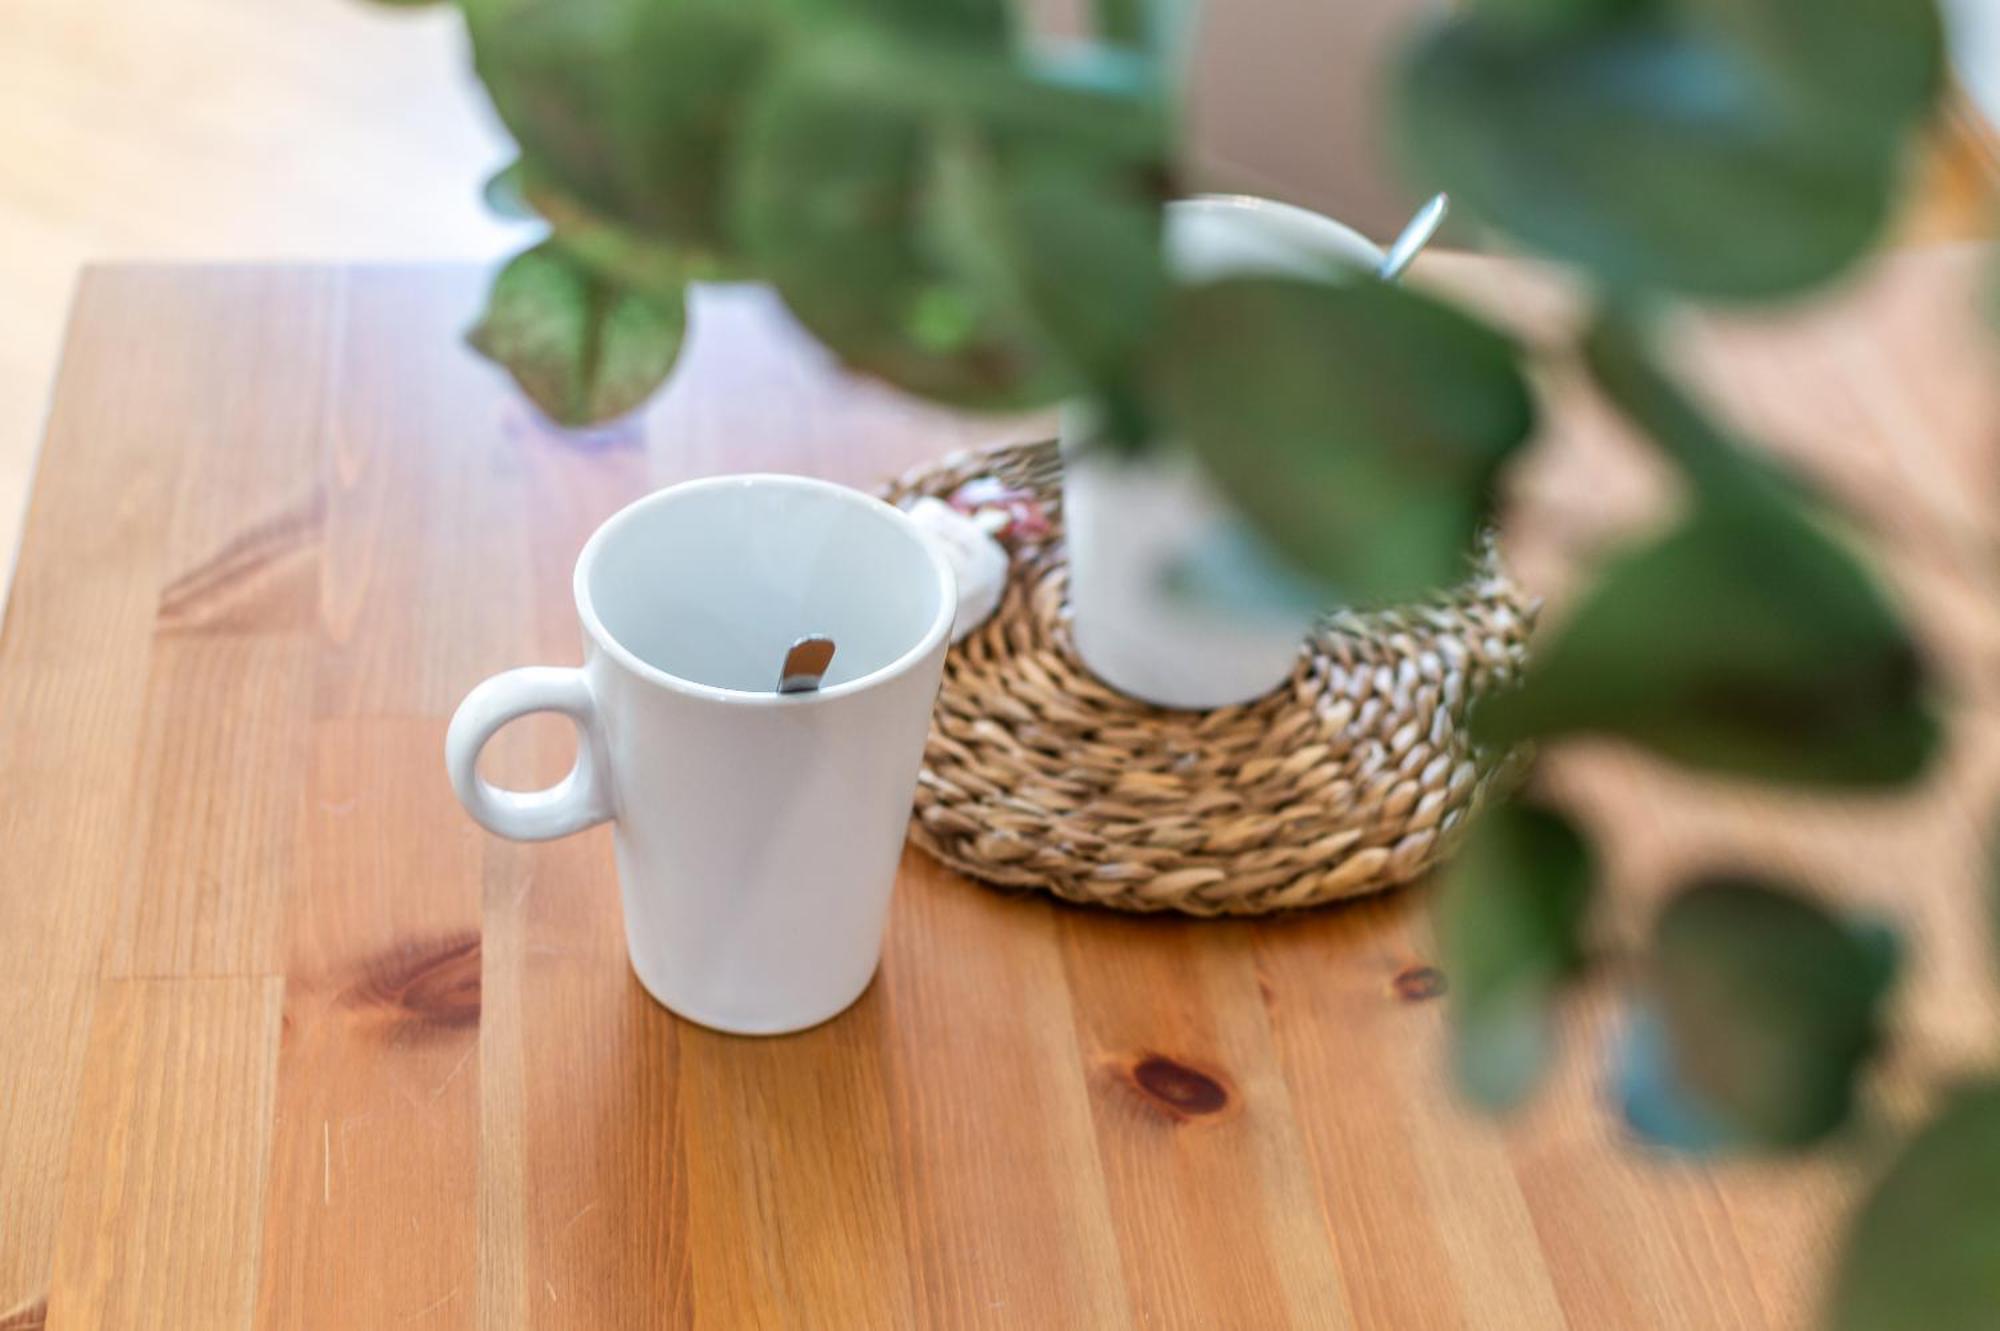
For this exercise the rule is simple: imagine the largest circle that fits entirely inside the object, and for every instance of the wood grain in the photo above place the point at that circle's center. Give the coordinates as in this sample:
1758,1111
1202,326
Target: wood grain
286,1041
995,1028
1458,1248
179,129
166,1176
375,1153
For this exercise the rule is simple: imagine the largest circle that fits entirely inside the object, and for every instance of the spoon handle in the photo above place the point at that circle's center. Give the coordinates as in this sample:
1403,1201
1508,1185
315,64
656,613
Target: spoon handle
1415,235
805,664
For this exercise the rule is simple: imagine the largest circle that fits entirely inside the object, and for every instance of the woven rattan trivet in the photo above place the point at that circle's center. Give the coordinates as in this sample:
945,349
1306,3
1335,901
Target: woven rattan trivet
1351,777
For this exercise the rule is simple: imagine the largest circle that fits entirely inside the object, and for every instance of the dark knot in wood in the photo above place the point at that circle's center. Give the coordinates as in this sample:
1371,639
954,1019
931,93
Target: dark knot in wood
1414,984
431,985
1178,1086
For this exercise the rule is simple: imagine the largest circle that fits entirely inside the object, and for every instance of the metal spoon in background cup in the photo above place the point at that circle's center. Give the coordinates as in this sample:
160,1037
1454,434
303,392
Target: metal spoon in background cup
1415,235
805,664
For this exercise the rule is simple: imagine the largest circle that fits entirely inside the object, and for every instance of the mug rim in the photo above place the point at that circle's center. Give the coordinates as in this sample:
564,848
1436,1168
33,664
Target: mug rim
1333,234
933,634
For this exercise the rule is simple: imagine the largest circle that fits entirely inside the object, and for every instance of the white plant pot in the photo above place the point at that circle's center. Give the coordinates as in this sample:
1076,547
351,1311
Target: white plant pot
1129,522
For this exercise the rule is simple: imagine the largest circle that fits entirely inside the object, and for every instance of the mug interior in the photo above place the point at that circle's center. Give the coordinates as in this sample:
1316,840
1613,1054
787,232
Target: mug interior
712,582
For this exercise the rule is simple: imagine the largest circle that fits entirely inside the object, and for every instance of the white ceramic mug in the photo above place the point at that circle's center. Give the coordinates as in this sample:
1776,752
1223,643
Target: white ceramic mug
1127,523
757,833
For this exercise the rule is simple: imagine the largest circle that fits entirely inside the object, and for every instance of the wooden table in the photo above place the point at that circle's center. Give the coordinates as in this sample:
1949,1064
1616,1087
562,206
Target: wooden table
286,1040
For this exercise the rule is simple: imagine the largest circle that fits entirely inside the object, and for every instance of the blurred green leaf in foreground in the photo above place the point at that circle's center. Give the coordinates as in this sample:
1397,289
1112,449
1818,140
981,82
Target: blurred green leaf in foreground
1510,917
1770,1007
1740,149
1361,426
963,229
1746,640
1924,1252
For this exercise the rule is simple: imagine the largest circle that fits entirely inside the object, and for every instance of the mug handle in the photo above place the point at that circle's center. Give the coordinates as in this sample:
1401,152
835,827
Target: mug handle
581,799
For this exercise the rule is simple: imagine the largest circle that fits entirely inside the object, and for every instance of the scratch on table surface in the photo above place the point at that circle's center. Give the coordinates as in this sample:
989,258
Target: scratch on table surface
571,1223
550,1285
431,1308
471,1048
326,1160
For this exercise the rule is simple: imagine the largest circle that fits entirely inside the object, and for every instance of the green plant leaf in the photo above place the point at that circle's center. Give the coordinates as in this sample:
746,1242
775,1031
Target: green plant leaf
1126,22
1065,193
987,24
1746,640
1646,149
628,107
1161,32
1069,244
1620,360
1872,66
1923,1253
833,189
1555,16
1755,649
1510,915
1992,902
937,218
1770,1004
1654,1103
583,348
1359,425
648,264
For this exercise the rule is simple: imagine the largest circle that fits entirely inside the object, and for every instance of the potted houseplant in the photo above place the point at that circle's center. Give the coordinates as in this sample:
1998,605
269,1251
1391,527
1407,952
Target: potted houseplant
997,225
982,219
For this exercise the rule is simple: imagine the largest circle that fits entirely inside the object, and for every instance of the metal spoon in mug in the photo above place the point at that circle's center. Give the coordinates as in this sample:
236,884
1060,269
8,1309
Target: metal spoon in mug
805,664
1415,235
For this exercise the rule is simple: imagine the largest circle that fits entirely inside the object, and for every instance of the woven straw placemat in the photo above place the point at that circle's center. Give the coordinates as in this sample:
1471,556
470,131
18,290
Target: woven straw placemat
1351,777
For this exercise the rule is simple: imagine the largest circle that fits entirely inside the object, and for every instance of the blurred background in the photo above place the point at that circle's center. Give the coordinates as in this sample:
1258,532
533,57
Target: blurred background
261,130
